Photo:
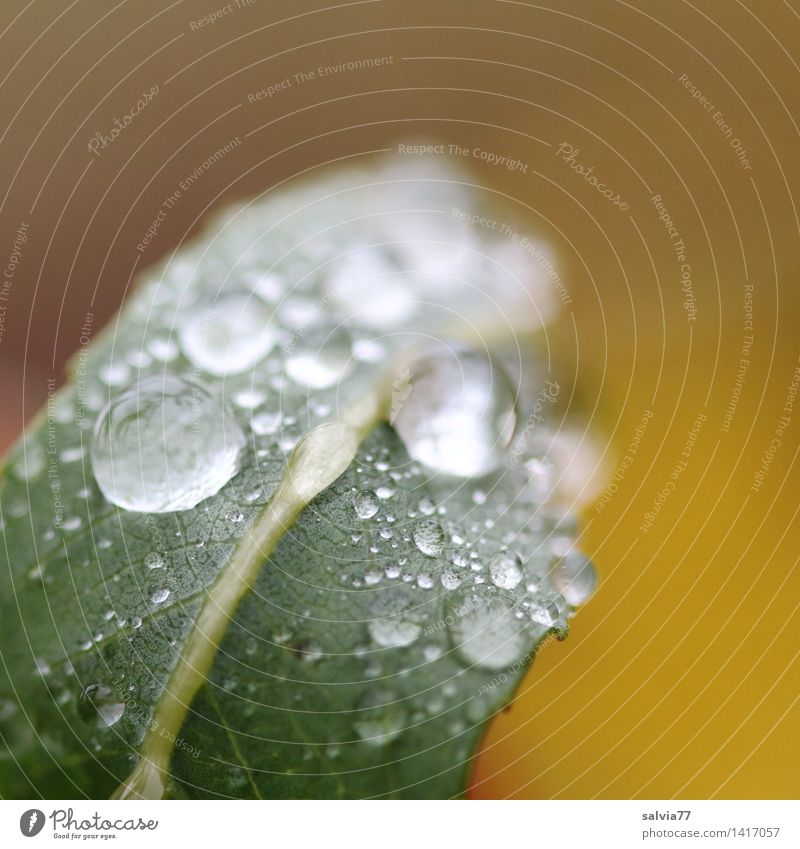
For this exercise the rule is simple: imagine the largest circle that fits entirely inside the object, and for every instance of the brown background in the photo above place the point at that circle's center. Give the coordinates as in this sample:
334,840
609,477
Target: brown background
681,677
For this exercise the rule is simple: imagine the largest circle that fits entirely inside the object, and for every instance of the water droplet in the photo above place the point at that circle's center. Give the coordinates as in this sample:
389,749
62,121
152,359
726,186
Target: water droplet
154,560
396,622
429,537
381,718
165,445
543,612
163,350
114,374
365,503
248,399
159,596
460,414
384,492
320,358
72,455
426,506
484,630
424,581
265,423
72,524
368,288
100,706
230,337
30,462
573,575
506,570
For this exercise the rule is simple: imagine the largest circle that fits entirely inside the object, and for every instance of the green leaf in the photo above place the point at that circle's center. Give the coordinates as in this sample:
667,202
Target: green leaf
274,641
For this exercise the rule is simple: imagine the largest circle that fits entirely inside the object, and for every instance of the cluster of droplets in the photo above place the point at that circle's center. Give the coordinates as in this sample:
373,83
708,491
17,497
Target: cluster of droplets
268,343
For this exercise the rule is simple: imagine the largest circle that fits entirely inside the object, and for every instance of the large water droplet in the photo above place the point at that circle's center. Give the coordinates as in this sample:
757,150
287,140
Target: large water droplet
429,537
99,705
381,718
574,577
320,358
484,630
506,570
164,445
230,337
460,413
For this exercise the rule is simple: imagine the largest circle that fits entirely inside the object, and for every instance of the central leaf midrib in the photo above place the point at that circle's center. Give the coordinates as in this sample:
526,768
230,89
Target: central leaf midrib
310,469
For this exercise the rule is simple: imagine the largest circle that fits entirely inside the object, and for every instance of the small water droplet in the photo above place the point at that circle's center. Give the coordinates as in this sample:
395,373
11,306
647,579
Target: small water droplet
573,575
114,374
484,630
159,596
265,423
154,560
320,358
381,718
100,706
505,569
365,503
248,399
429,537
30,462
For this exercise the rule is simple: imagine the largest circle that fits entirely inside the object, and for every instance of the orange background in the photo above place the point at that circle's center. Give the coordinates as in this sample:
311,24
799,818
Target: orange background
680,678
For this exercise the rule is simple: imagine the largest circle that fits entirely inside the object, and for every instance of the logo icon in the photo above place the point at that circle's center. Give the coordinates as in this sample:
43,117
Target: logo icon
31,822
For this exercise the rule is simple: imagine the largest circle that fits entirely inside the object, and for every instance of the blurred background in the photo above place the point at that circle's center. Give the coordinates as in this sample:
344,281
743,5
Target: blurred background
658,156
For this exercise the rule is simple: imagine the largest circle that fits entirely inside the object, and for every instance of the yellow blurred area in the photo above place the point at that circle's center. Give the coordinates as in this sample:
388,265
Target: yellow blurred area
680,678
